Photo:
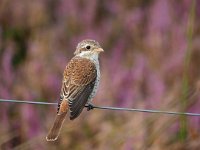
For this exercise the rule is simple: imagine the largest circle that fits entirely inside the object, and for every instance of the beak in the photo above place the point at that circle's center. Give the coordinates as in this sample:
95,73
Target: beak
99,50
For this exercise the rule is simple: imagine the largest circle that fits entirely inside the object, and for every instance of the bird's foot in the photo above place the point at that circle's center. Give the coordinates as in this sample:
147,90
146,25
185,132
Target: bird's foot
89,106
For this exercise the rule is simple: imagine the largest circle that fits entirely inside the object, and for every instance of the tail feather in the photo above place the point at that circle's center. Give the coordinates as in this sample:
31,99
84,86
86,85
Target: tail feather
55,130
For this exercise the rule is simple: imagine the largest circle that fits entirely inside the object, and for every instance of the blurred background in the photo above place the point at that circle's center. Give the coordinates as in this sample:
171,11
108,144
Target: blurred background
151,61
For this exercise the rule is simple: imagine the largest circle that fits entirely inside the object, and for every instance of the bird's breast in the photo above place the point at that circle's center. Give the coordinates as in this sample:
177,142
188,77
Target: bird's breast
94,91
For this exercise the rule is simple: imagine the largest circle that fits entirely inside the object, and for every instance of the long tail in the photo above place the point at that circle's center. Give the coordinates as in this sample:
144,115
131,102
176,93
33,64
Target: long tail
55,130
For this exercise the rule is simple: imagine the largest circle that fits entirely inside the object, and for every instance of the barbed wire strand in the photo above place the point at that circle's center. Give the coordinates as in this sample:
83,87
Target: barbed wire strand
108,108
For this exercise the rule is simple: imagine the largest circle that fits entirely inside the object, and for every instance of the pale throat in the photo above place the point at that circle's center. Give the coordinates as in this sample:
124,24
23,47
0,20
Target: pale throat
94,57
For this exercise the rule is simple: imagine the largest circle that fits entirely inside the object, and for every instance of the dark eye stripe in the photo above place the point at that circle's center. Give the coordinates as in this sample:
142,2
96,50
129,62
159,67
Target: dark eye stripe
82,49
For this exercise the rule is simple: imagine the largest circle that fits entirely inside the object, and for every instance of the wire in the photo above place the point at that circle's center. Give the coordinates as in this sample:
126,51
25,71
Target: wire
148,111
27,102
109,108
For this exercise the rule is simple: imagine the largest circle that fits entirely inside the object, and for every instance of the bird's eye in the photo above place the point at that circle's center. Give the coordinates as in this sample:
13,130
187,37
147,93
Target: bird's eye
88,47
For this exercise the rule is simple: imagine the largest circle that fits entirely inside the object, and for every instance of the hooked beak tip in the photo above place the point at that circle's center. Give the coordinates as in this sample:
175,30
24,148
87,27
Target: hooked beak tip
99,50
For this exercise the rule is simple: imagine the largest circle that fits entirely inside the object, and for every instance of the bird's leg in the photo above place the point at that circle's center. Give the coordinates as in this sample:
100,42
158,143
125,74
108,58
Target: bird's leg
89,106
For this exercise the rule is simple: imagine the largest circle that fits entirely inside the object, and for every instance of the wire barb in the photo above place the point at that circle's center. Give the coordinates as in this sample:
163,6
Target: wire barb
108,108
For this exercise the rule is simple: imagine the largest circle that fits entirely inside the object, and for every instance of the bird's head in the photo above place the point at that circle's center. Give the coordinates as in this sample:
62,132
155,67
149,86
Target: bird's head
88,48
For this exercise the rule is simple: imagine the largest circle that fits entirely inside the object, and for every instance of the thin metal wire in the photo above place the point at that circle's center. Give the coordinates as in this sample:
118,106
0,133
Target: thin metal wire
148,111
109,108
27,102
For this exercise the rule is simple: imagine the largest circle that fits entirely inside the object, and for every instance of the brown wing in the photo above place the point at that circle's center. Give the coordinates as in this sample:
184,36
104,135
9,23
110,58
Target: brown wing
78,83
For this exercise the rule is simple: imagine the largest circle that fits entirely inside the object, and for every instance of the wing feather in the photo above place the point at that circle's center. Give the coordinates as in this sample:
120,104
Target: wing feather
78,83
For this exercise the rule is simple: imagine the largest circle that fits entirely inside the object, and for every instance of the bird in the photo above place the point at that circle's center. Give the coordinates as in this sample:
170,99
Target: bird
81,79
